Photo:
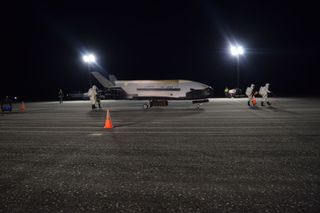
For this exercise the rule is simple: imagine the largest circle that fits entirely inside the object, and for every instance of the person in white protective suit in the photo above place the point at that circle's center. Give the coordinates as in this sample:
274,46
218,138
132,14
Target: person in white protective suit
92,93
264,91
250,93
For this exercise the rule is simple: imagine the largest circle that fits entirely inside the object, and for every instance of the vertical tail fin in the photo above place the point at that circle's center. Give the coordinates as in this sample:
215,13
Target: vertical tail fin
112,78
102,80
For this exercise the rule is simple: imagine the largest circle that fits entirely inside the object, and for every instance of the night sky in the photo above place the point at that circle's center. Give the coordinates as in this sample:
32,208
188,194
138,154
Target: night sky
44,41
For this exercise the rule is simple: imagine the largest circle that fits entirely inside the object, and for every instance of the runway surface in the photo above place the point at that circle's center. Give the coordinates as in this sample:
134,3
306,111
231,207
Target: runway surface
226,157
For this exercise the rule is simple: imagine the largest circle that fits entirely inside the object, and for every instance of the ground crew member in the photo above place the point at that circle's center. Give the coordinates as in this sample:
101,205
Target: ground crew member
92,93
6,104
250,92
264,91
226,92
60,95
98,98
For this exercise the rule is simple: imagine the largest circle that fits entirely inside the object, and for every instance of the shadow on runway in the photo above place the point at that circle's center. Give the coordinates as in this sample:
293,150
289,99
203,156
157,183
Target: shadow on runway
176,109
254,108
151,110
128,124
140,116
277,109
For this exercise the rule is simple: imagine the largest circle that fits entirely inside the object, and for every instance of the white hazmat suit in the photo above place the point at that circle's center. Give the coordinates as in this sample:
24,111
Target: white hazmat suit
92,93
250,93
264,91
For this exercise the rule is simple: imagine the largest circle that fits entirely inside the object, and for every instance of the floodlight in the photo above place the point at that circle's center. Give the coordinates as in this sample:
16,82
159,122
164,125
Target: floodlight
89,58
92,58
85,58
236,50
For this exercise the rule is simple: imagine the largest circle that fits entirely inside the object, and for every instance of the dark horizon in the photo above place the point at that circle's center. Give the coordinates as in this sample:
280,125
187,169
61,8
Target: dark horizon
45,40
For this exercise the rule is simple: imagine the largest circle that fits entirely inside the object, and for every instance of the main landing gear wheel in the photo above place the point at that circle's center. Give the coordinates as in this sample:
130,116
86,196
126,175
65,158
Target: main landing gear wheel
198,106
146,106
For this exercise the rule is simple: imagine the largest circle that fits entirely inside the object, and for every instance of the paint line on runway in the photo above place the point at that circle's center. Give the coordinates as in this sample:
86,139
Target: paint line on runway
155,127
280,133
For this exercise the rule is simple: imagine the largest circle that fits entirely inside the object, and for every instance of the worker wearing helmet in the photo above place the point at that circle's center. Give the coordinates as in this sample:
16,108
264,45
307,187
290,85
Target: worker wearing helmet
98,97
250,93
264,92
92,93
6,104
60,95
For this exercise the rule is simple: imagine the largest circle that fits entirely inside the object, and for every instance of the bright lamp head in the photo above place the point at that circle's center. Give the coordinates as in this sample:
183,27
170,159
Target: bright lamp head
236,50
240,50
233,51
92,58
85,58
89,58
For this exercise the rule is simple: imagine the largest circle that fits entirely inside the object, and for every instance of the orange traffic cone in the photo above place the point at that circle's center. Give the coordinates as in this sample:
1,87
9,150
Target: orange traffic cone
22,107
108,123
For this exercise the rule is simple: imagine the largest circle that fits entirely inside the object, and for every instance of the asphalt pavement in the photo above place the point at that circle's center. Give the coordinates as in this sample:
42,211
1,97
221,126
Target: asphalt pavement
225,157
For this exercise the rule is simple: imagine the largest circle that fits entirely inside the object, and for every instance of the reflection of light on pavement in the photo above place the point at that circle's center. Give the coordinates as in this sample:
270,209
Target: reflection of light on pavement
96,134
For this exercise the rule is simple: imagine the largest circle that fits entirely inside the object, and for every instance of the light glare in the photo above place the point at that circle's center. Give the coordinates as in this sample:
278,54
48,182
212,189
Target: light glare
92,58
240,50
233,50
89,58
236,50
85,58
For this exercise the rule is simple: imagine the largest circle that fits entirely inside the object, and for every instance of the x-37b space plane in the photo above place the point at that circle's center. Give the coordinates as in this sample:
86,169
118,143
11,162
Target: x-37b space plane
156,92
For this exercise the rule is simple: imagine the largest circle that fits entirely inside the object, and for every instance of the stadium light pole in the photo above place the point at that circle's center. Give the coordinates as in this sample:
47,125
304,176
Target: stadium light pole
237,51
89,59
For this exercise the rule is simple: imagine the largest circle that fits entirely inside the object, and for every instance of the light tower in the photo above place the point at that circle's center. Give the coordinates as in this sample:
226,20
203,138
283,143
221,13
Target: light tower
237,51
89,59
